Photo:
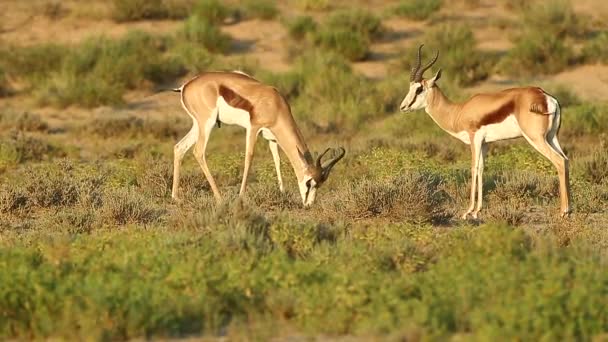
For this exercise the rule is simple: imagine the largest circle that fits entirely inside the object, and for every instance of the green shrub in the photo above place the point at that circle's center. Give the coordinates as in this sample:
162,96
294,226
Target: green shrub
584,120
32,63
125,206
349,44
19,148
100,70
22,121
347,32
417,9
263,9
595,50
359,21
313,5
596,168
459,59
539,52
199,31
5,89
410,197
133,10
301,27
554,16
213,11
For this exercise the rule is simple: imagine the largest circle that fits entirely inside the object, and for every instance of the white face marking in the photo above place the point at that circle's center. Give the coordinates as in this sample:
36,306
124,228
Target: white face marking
415,98
232,116
308,190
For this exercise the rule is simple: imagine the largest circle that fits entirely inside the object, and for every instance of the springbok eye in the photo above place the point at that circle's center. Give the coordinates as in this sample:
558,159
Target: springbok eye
419,90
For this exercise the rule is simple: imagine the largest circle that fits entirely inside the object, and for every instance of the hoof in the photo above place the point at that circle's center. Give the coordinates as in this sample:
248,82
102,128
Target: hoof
465,215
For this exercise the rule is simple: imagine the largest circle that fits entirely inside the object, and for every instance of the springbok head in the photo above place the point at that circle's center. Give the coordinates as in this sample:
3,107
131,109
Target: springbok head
317,173
416,97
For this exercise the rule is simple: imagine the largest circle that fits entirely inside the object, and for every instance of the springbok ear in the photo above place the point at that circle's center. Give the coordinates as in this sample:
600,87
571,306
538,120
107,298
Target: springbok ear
434,79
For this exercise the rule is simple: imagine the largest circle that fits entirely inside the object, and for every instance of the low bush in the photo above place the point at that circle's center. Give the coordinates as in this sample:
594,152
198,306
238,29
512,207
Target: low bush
313,5
346,32
301,27
204,33
262,9
22,121
410,197
595,50
127,206
417,9
555,16
459,59
17,147
212,11
538,52
133,10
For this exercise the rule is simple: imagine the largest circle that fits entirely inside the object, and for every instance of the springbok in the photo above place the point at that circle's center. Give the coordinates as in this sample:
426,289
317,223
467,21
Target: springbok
234,98
529,112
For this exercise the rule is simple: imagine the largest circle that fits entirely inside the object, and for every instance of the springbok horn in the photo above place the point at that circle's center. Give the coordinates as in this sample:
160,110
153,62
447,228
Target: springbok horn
418,63
321,157
327,167
426,67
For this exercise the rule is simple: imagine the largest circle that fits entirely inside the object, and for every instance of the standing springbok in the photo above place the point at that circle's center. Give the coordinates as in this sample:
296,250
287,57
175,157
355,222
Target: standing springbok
234,98
488,117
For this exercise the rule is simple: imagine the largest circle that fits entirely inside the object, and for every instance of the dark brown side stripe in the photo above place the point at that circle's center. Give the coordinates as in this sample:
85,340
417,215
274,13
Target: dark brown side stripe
499,115
235,100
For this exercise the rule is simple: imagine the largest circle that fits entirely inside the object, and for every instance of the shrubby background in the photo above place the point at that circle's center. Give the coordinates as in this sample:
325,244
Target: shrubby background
91,245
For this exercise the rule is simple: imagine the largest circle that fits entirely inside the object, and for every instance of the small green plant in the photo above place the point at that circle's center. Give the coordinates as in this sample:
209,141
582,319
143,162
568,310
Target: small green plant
313,5
555,16
417,9
263,9
203,33
133,10
539,52
595,50
213,11
301,27
459,59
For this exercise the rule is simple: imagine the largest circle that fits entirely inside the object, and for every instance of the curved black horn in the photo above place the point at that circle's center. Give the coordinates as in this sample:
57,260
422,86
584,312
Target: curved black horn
418,63
426,67
321,157
327,167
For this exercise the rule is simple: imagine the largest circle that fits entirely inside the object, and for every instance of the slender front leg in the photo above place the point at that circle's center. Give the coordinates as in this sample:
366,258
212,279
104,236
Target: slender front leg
476,143
480,166
274,149
252,134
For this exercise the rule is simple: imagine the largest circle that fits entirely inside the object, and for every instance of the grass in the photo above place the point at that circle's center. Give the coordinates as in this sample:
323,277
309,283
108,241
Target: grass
417,9
595,50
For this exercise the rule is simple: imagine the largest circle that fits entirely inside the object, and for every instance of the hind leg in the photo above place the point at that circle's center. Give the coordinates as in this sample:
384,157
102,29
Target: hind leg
252,135
561,164
199,154
179,151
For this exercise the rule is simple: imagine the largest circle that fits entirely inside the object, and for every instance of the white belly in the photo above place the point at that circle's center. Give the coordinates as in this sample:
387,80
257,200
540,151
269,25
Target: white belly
232,116
508,129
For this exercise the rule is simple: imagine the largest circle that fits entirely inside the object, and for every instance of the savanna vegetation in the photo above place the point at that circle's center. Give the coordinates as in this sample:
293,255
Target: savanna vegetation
93,247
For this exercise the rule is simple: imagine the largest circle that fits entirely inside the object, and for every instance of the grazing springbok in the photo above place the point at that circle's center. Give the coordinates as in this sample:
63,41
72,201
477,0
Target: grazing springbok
234,98
529,112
